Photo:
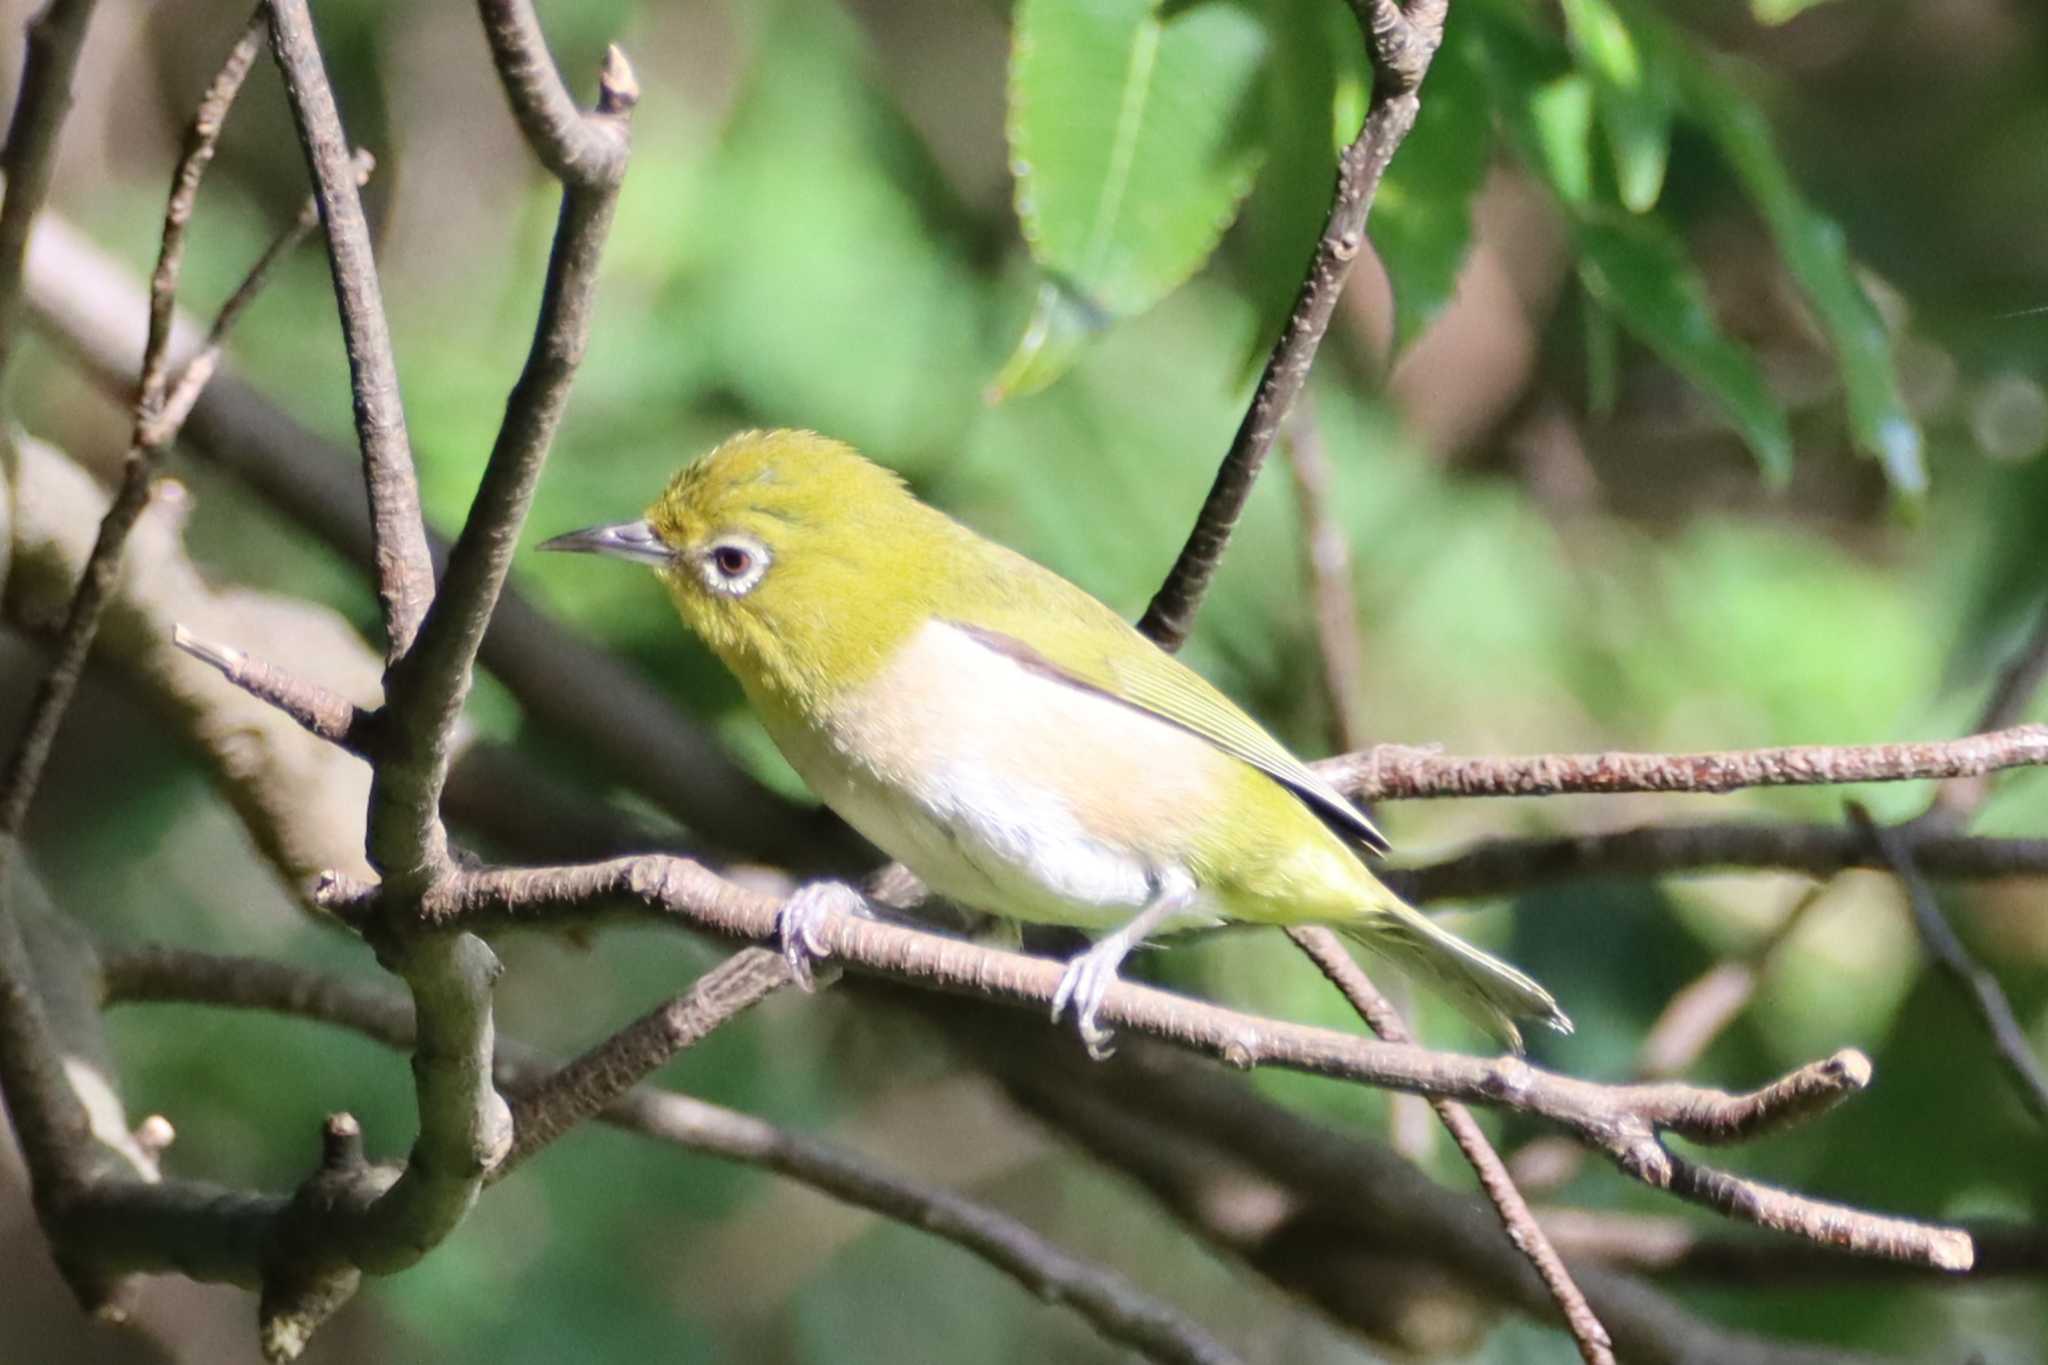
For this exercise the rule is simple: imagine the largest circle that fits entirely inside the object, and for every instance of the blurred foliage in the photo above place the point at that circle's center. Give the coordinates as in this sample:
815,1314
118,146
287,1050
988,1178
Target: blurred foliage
1705,266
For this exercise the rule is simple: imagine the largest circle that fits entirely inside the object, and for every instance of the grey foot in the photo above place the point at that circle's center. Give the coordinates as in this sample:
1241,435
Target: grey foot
1088,978
803,914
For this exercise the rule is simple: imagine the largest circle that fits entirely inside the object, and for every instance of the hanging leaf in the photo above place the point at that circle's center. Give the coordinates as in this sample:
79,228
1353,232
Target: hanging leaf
1421,222
1639,270
1635,99
1134,133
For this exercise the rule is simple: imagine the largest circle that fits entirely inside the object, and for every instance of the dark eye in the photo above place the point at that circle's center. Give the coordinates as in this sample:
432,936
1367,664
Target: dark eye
732,560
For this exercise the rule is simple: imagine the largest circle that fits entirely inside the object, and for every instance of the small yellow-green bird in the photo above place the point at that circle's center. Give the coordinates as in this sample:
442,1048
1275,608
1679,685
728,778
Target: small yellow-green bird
1009,738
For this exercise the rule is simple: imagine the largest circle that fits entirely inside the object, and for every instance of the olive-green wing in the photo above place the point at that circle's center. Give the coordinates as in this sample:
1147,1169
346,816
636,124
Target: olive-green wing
1105,655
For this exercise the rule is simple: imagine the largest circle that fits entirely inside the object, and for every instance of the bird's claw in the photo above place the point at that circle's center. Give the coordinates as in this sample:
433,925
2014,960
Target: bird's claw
803,915
1087,979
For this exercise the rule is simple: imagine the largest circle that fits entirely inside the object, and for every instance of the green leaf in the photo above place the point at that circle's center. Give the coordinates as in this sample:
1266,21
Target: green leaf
1134,133
1560,128
1817,255
1775,12
1421,223
1640,271
1635,99
1061,322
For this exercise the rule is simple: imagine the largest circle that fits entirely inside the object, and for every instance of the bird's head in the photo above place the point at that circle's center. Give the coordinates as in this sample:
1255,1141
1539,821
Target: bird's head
790,554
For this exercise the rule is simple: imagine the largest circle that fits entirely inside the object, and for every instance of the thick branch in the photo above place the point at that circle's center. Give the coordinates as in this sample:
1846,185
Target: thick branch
427,687
54,39
1397,772
1111,1304
404,570
1624,1122
1595,1346
1400,47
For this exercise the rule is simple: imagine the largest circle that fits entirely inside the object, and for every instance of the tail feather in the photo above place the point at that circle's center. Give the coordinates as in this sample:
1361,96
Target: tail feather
1484,989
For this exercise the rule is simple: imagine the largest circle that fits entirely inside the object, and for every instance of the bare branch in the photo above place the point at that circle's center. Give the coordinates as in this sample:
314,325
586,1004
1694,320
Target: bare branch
2011,692
1398,772
404,570
1624,1122
1493,867
54,1128
427,687
1328,1216
325,714
572,145
1400,47
44,98
1117,1309
195,373
1988,1000
103,569
550,1107
1595,1346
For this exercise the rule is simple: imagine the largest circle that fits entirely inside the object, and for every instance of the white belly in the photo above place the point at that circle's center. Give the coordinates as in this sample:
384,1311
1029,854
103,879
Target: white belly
1005,789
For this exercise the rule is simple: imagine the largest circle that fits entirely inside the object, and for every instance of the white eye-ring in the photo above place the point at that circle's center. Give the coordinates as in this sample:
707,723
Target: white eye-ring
733,564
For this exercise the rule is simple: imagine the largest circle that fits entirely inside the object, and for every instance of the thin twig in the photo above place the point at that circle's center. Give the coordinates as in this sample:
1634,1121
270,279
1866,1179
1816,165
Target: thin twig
44,98
1401,773
198,371
2011,692
1493,867
1699,1011
1595,1346
427,687
405,571
1324,1214
60,682
1986,997
1625,1122
53,1126
1116,1308
1400,46
550,1107
329,715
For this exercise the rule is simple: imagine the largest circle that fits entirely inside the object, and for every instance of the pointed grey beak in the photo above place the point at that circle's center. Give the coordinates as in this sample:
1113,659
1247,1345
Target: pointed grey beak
627,540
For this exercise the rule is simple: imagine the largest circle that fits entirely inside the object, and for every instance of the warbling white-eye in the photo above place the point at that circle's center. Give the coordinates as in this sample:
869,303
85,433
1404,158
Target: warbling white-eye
1009,738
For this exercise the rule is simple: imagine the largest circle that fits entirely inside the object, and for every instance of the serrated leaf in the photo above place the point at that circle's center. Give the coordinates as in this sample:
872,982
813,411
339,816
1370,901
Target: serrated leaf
1639,270
1134,135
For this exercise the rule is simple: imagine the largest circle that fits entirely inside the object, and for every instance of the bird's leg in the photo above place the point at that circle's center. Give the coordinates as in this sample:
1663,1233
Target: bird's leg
1089,974
807,908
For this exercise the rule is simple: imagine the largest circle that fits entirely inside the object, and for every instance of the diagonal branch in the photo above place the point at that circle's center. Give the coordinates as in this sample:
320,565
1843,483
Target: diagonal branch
1117,1309
404,571
426,688
1400,46
1987,999
553,1105
1595,1346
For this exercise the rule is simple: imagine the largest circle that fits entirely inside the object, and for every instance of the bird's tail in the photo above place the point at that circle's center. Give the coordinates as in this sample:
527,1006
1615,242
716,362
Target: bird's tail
1484,989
